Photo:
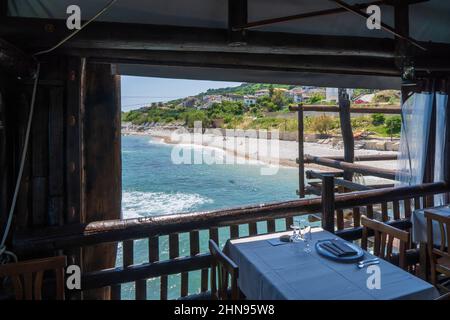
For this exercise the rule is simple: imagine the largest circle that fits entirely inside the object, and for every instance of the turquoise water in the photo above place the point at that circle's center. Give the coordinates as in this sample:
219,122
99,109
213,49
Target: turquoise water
153,185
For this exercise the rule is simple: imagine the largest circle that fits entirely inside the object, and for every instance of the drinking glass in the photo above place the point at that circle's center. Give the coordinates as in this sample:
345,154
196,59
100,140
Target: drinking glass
307,237
296,235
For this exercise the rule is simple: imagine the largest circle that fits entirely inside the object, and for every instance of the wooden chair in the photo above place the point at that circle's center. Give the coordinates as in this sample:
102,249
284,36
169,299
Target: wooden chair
384,235
445,297
439,256
27,276
223,267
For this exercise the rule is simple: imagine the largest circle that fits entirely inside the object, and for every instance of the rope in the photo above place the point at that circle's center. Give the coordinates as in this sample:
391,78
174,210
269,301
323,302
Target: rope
5,255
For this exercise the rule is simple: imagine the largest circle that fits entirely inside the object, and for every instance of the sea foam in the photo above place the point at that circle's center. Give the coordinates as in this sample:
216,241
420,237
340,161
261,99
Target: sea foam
137,204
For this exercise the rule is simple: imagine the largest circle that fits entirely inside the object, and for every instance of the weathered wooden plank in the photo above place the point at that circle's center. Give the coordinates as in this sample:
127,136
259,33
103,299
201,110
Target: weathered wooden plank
56,157
101,143
74,140
40,159
346,131
176,38
234,231
328,202
407,206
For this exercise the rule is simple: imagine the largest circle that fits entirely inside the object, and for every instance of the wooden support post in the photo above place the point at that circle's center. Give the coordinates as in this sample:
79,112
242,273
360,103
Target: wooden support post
4,198
401,21
237,16
102,148
328,202
346,130
301,154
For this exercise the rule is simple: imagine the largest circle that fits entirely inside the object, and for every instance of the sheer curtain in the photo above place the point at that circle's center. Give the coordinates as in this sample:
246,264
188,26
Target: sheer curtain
416,115
441,120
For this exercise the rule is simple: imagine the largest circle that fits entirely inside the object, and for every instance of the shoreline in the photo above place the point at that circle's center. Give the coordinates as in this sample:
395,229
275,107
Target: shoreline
285,157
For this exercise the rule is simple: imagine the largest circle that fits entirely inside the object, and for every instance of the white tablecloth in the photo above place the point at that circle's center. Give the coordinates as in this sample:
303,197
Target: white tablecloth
419,226
268,272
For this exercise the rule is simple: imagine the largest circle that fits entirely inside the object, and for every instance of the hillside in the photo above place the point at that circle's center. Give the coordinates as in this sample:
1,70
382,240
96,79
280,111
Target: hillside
244,89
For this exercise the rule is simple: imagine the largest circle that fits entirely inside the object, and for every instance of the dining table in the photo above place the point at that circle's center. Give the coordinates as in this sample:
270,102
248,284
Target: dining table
270,269
419,224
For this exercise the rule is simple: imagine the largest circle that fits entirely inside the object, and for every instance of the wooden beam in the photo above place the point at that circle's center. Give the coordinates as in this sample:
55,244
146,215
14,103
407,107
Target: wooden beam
43,33
375,157
14,61
276,62
131,273
330,108
237,15
353,167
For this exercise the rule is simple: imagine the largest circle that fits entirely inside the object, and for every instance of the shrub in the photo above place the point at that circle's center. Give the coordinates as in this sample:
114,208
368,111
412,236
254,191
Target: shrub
393,125
378,119
322,124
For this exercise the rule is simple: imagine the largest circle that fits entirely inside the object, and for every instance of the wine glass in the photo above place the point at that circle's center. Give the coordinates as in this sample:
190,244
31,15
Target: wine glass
296,235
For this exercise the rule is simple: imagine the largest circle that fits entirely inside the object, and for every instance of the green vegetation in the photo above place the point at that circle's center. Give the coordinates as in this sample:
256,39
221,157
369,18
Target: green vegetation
269,112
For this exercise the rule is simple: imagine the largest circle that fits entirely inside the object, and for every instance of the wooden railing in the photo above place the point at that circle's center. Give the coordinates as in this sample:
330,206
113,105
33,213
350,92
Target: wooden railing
185,235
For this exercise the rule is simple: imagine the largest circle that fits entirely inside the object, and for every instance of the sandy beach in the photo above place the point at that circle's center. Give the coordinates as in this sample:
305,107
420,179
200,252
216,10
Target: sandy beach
283,153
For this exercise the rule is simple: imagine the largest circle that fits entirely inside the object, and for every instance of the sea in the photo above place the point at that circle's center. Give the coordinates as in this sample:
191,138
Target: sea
154,185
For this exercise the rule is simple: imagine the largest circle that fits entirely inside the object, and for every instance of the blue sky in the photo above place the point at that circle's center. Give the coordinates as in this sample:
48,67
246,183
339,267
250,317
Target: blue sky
138,91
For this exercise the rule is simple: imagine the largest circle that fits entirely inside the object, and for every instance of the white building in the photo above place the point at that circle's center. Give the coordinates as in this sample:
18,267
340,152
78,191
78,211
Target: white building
262,93
296,94
332,94
249,100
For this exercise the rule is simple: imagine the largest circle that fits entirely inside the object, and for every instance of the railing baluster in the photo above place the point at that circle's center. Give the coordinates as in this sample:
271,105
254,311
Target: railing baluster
407,205
153,256
356,217
396,209
252,229
214,235
141,289
116,292
384,212
128,253
369,212
234,231
270,226
289,222
416,203
339,219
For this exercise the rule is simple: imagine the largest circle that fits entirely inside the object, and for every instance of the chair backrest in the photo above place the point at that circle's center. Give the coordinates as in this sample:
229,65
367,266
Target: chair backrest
222,268
444,228
444,297
384,235
27,276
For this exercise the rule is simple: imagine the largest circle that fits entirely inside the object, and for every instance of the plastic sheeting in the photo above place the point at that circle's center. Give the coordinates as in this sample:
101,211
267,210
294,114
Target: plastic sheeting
416,115
441,116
